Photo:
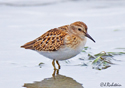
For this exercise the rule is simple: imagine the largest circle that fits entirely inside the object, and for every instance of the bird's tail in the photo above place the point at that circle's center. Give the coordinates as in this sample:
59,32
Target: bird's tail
29,45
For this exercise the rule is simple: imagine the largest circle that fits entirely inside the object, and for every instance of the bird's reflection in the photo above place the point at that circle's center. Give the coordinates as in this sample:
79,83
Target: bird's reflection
57,81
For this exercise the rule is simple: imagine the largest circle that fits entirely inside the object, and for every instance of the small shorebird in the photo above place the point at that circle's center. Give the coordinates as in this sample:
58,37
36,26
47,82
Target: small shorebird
61,43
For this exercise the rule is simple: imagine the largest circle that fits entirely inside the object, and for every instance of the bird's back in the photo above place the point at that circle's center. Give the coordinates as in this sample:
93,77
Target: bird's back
52,40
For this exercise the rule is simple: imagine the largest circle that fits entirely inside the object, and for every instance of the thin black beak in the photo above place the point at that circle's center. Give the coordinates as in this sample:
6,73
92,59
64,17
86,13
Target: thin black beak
87,35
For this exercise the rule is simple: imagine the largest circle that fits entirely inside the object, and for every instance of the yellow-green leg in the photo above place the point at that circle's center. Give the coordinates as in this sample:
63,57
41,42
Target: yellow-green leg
54,71
58,64
57,71
53,63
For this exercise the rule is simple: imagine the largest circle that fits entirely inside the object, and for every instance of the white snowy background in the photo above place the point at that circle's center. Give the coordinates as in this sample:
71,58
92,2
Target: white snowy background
24,20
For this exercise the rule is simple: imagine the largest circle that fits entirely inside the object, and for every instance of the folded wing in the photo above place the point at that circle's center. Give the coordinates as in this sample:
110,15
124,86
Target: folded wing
52,40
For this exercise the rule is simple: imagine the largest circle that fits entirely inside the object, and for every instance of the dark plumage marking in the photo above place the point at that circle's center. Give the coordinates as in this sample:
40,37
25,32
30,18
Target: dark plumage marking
49,41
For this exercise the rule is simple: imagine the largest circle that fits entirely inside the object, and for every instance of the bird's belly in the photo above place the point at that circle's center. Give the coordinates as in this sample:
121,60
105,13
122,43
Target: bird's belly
63,53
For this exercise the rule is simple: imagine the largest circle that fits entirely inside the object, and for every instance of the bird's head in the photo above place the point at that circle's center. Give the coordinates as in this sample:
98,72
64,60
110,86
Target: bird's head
80,29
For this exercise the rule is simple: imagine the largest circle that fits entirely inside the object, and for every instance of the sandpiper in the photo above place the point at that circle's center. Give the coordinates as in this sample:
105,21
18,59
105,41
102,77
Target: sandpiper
61,43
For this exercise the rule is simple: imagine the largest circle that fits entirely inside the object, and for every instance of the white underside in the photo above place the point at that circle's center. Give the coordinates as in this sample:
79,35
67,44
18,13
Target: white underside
64,53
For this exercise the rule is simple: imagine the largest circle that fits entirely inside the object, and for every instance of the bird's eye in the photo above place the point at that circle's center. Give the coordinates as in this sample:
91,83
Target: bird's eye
79,29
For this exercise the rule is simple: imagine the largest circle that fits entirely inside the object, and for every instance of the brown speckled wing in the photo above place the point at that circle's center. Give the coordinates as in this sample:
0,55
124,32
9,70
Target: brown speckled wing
49,41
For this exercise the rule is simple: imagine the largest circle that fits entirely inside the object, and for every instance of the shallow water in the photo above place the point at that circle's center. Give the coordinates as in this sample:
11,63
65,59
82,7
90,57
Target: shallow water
20,24
56,81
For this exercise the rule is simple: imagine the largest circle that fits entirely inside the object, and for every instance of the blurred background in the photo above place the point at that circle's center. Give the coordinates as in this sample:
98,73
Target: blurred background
24,20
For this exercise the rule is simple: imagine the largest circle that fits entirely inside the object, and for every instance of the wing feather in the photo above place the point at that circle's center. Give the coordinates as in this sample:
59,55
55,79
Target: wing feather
52,40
